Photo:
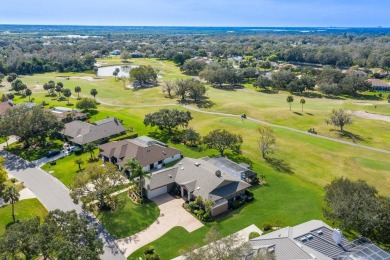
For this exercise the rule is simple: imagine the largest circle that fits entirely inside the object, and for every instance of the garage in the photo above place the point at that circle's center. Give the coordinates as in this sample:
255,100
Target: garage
157,192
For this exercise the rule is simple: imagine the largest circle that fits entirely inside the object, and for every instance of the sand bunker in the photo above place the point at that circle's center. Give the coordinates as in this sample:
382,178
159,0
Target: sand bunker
371,116
38,86
81,77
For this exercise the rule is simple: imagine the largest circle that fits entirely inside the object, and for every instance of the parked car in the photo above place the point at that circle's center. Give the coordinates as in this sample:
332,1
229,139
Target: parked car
52,153
70,150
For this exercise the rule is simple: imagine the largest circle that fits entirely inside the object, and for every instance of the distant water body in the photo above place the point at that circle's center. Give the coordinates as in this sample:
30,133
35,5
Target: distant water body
72,30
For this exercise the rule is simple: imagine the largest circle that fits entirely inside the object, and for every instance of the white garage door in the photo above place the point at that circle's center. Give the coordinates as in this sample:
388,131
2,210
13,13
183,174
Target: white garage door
157,192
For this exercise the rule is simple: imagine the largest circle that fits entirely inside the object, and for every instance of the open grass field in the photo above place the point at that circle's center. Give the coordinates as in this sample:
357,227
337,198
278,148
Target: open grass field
24,209
130,218
66,169
290,198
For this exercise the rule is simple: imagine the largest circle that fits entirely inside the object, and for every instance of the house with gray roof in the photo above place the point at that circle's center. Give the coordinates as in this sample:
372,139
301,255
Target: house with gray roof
238,170
197,177
81,133
314,240
150,153
379,85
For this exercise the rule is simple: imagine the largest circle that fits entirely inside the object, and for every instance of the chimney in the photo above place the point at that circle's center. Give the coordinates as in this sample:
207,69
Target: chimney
337,236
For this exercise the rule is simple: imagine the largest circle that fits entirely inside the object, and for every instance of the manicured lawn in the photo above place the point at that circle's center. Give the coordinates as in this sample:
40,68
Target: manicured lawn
36,153
130,218
66,169
3,139
24,209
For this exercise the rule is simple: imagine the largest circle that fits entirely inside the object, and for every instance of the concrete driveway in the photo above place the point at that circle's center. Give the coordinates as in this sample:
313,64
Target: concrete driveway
172,214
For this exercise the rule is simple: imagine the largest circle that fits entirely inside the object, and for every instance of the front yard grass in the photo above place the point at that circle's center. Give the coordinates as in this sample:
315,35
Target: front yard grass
65,168
33,154
129,218
24,209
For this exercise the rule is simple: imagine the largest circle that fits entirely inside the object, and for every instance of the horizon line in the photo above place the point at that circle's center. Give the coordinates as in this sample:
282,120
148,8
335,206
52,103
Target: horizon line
203,26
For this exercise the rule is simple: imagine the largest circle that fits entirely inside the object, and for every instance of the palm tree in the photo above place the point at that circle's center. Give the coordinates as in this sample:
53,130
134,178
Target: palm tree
77,89
67,93
290,99
135,171
79,162
28,93
94,92
11,195
303,101
90,148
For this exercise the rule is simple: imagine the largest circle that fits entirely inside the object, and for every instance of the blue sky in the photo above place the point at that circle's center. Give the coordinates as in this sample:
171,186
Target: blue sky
368,13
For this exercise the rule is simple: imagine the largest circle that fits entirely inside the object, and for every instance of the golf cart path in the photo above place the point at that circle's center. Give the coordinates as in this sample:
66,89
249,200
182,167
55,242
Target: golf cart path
366,115
257,121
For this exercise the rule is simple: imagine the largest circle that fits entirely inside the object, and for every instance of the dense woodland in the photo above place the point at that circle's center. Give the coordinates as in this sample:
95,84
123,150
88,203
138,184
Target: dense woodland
37,54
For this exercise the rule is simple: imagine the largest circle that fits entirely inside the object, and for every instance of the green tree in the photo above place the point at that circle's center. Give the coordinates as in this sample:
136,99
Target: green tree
136,173
191,136
143,74
115,73
221,140
79,162
31,125
290,99
3,174
266,140
90,148
352,204
168,119
18,86
49,86
180,58
21,238
77,89
28,93
58,88
339,118
193,67
103,179
182,88
262,83
282,78
11,195
94,92
302,101
196,89
67,93
11,77
86,104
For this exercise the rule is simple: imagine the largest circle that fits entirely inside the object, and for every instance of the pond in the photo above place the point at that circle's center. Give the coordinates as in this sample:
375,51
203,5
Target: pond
107,71
123,71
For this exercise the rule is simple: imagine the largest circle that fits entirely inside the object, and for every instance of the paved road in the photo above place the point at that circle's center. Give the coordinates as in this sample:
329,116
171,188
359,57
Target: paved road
258,121
54,195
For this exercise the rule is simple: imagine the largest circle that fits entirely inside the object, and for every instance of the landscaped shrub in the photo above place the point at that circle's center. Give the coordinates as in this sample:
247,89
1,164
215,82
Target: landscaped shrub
192,205
249,198
236,204
130,135
207,216
187,207
248,193
53,162
78,151
13,180
150,254
267,227
199,213
253,235
62,99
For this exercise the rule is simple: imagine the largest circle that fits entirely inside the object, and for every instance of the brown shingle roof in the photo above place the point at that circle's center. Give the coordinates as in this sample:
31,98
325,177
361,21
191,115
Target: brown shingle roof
145,153
4,106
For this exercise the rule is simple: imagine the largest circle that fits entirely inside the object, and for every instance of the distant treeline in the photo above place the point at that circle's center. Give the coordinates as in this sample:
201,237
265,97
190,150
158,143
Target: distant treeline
28,54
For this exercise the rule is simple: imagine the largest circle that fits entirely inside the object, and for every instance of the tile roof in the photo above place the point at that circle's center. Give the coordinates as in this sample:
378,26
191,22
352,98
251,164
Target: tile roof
143,149
378,83
315,239
82,133
4,106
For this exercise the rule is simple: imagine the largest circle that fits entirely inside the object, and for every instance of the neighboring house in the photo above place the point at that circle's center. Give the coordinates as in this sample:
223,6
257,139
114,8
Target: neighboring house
28,105
67,114
151,154
81,133
197,177
236,59
115,53
138,54
4,106
360,74
314,240
240,171
379,85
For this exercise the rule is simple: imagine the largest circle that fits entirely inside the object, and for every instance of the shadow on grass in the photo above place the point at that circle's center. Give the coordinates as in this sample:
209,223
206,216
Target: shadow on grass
228,87
365,97
309,95
334,97
310,114
353,137
160,136
297,113
280,165
202,103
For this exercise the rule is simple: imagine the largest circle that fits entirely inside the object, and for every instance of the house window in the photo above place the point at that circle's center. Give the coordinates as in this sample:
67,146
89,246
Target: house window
160,162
